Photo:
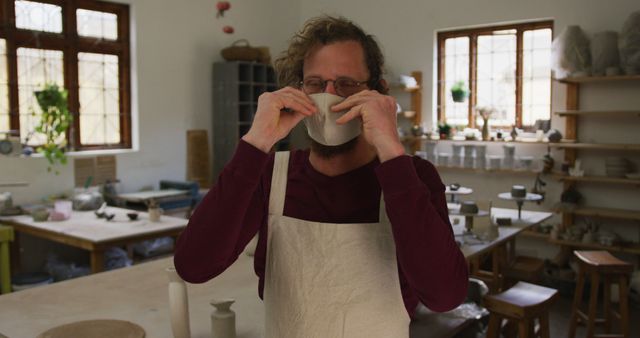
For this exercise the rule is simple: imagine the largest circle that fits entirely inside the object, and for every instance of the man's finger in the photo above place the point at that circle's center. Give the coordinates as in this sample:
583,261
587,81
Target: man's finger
350,115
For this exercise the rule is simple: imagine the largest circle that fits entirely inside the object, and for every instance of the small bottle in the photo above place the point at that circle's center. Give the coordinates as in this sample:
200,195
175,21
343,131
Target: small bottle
178,305
223,319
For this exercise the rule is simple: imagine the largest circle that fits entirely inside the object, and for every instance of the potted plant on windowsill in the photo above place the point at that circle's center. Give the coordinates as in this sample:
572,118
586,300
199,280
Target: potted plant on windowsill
459,91
54,123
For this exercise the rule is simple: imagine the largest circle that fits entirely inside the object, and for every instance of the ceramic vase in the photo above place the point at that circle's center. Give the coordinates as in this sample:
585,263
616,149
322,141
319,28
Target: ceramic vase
604,51
178,305
223,319
485,131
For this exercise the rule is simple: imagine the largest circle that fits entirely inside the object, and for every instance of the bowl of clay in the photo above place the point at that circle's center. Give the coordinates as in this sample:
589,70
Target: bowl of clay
518,191
468,207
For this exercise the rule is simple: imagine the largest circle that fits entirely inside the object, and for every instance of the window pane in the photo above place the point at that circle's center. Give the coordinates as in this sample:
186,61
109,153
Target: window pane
99,98
97,24
536,72
496,79
38,16
36,67
456,68
4,88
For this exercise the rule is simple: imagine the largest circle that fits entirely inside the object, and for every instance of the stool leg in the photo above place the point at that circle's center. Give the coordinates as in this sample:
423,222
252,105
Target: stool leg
624,306
577,300
494,326
523,329
544,325
593,304
5,270
606,303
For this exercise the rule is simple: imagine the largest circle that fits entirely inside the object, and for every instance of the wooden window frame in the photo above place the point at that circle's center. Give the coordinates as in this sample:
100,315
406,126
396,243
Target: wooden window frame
473,34
70,43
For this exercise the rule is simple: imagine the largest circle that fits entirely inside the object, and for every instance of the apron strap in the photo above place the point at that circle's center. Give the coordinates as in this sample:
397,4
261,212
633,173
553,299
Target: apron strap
382,217
279,183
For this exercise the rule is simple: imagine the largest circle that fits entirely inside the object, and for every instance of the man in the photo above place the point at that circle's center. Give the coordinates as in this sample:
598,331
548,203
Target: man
352,233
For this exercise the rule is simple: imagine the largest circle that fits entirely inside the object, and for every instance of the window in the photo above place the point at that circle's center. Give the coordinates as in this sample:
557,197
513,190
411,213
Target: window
82,45
506,68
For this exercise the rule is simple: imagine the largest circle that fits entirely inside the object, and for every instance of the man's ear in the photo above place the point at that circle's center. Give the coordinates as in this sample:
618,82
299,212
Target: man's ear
384,86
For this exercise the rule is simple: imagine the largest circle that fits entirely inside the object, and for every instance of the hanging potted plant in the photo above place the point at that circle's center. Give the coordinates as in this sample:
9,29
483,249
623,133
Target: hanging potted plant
459,91
54,123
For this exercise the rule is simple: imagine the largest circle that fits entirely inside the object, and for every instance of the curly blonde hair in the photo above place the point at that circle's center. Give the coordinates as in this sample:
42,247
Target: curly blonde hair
324,30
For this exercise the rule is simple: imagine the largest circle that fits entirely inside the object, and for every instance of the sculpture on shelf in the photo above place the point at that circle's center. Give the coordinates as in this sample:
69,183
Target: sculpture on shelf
570,54
630,44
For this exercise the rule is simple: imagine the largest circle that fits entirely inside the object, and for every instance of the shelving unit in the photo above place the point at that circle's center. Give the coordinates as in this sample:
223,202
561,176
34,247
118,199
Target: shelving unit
598,179
497,171
236,88
416,105
572,146
621,247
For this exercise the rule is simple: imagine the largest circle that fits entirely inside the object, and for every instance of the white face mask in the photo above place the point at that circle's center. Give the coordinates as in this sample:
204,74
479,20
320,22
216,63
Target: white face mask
322,125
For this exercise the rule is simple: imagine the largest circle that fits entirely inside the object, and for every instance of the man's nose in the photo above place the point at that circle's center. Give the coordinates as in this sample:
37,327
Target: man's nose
330,88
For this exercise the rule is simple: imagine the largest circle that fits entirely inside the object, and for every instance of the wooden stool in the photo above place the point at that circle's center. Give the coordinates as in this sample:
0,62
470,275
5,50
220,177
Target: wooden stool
6,236
601,265
522,303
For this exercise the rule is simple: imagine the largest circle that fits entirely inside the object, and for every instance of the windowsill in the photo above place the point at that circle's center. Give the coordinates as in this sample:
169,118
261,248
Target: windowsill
523,141
85,153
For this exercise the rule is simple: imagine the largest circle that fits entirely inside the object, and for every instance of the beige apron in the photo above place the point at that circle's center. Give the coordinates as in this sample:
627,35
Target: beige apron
329,280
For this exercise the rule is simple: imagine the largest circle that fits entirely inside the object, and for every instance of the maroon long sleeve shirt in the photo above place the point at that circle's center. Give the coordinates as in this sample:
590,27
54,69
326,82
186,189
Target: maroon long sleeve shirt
431,267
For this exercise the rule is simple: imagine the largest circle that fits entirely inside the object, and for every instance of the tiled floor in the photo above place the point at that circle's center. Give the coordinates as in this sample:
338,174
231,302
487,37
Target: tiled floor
561,312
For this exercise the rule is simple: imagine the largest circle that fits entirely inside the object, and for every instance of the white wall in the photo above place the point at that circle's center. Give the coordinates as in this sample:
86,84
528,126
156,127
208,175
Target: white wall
407,30
174,46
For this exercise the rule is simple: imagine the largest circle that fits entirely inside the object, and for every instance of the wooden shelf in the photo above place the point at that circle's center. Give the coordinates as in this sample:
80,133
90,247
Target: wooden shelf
571,144
597,179
475,170
588,79
633,248
608,113
534,234
608,213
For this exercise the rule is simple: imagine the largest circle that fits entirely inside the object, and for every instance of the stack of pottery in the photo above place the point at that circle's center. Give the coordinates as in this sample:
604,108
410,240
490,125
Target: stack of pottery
443,159
509,155
431,151
469,151
526,162
456,158
494,161
481,156
617,166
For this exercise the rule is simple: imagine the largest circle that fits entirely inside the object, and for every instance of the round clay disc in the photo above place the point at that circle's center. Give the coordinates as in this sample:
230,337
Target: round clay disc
98,328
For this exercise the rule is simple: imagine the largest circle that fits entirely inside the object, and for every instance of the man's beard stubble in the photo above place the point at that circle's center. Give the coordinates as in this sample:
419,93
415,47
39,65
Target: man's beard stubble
328,152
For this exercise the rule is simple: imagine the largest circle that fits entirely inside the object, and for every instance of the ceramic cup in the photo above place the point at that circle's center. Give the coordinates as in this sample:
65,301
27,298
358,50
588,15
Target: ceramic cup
154,214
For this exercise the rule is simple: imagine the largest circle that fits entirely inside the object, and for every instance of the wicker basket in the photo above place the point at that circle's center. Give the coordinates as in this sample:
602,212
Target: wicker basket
241,51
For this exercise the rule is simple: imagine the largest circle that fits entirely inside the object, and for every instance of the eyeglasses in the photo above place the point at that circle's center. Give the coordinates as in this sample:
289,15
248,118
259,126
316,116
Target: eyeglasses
344,86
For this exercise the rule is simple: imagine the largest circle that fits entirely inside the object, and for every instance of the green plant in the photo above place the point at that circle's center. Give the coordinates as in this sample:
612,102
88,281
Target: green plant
444,130
54,123
459,91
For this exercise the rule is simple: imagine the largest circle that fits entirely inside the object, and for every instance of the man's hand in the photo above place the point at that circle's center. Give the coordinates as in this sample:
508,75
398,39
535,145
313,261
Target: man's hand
278,112
379,125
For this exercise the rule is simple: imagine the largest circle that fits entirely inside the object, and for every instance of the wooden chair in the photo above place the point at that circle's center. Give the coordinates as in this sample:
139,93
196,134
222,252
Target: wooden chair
6,236
601,265
522,305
